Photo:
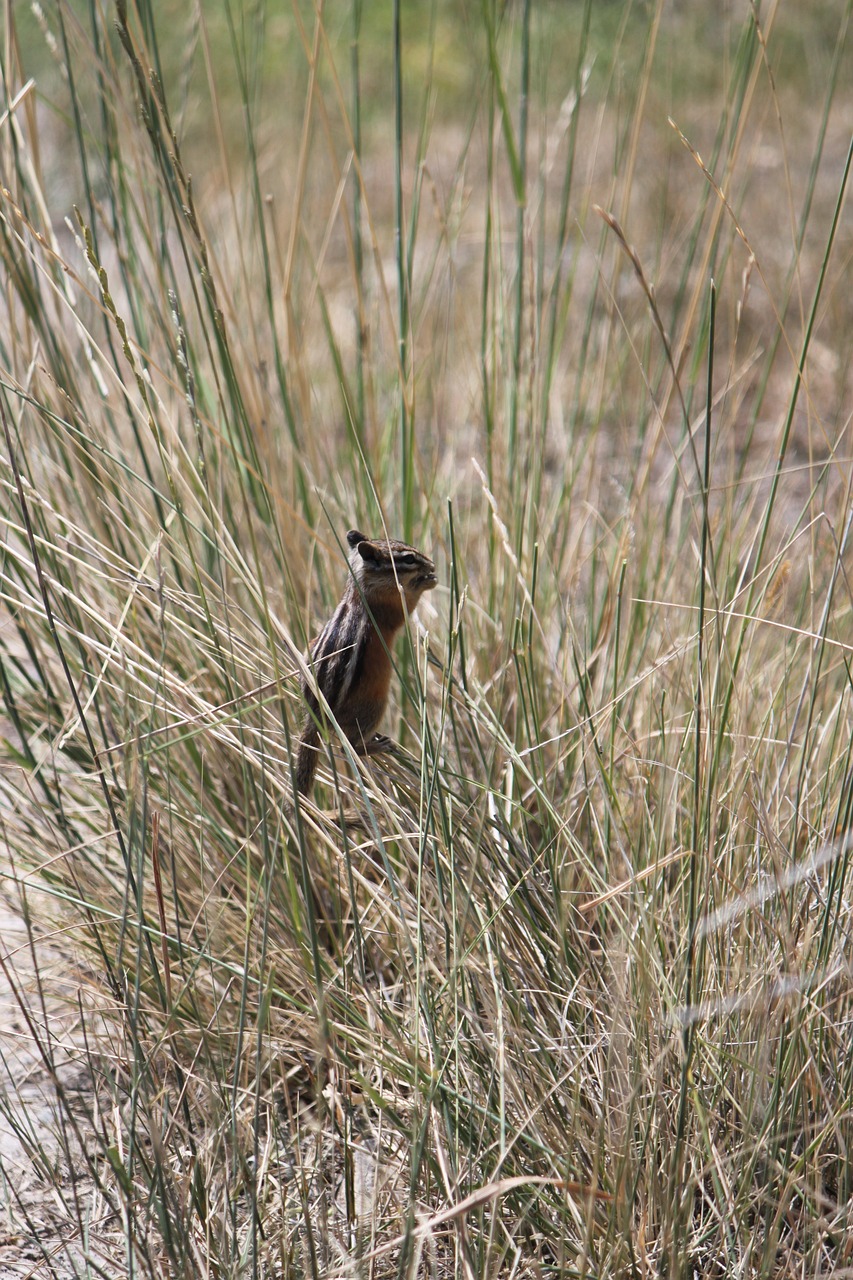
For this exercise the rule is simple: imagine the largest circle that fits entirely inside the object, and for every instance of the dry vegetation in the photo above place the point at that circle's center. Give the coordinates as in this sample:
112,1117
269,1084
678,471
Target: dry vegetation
563,988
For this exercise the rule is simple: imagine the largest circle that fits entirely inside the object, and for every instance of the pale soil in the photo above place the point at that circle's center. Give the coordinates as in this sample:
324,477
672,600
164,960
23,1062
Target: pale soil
47,1197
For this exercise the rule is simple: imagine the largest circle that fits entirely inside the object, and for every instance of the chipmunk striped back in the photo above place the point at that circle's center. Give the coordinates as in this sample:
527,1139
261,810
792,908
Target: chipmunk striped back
350,658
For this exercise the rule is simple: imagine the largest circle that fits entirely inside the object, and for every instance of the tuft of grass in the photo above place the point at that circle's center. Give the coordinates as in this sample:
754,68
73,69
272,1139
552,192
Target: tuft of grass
562,986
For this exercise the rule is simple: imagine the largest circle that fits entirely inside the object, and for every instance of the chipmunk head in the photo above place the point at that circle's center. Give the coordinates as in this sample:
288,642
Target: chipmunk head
378,562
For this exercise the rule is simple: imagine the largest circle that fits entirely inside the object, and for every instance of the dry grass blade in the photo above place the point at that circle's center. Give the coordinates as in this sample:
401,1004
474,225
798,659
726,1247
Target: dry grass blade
558,987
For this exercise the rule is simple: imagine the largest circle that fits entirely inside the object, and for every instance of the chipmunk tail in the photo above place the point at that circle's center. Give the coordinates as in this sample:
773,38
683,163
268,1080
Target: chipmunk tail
306,759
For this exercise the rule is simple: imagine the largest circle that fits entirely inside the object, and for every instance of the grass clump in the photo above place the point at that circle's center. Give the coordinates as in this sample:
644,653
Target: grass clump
561,988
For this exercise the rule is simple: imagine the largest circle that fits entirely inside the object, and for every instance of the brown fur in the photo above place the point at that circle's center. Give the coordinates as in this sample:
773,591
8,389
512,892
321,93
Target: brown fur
351,655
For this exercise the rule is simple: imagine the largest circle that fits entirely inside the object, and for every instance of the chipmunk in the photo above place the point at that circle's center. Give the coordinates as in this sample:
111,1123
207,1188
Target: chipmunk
350,658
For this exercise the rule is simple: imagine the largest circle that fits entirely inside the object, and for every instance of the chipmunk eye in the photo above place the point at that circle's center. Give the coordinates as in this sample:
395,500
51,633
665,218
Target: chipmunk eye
407,559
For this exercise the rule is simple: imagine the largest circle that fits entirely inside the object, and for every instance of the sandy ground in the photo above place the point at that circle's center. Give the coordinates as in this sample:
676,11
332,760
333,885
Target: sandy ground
47,1199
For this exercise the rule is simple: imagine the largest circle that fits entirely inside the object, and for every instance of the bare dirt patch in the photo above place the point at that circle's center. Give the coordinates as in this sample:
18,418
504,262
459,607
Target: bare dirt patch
53,1218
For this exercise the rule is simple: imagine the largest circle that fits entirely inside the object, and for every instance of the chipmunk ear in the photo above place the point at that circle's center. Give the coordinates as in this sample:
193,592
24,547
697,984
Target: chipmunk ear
369,551
354,538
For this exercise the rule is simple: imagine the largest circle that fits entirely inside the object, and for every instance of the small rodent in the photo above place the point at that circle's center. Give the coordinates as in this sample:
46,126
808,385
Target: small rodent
350,658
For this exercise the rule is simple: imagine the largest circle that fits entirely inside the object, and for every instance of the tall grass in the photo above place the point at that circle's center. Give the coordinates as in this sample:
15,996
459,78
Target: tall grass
560,294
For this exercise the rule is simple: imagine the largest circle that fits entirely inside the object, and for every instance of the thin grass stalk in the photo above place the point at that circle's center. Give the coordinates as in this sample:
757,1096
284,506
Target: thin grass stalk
520,258
812,681
358,250
405,425
486,398
560,299
678,1178
614,689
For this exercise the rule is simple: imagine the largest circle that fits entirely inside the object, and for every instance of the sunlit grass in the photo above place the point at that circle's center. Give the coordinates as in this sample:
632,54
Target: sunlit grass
561,988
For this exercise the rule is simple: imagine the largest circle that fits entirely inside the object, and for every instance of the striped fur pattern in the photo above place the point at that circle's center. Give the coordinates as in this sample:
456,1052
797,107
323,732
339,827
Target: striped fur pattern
350,658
